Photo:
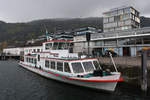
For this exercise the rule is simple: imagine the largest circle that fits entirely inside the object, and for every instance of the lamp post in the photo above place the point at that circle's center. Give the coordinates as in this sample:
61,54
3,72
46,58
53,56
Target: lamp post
88,38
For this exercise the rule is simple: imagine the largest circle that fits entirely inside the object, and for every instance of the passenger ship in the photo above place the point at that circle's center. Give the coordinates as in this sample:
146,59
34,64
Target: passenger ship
57,62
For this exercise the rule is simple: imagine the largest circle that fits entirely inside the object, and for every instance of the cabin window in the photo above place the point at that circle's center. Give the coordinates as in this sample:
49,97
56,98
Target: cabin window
38,50
35,61
26,59
66,67
55,45
38,57
59,66
53,64
61,45
31,60
77,67
88,66
96,64
46,63
48,46
67,46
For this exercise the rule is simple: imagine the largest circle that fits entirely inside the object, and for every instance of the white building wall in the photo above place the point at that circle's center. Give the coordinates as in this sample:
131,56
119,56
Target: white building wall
13,51
19,50
28,50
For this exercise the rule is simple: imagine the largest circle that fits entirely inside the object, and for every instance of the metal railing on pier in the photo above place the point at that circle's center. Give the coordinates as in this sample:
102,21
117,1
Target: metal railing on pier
124,61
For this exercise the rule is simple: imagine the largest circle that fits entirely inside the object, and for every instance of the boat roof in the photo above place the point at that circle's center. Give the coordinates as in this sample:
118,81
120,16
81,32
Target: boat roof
58,41
70,59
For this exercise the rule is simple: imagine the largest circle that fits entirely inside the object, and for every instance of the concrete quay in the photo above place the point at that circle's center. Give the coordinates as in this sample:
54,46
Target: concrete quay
130,68
124,61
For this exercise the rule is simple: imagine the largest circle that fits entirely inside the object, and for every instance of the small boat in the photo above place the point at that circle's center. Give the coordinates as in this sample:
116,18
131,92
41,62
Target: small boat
58,62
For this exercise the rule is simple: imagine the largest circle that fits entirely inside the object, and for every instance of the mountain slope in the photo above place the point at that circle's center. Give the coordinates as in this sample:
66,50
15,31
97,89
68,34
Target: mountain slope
14,32
23,31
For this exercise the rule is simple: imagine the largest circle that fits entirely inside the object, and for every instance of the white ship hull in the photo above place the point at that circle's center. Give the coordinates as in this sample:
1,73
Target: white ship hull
100,85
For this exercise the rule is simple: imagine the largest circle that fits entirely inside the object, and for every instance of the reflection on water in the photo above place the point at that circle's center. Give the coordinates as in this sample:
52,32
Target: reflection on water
17,83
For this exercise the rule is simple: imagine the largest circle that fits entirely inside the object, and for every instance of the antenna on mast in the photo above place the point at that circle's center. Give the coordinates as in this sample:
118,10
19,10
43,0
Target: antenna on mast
47,34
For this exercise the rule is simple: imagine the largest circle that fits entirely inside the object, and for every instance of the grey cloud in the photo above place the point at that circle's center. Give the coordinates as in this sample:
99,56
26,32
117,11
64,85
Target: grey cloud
27,10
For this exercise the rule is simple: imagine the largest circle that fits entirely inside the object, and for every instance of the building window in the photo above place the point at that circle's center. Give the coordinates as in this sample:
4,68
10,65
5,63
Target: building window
99,43
110,43
132,11
113,13
120,12
127,22
120,23
105,20
117,18
111,19
127,10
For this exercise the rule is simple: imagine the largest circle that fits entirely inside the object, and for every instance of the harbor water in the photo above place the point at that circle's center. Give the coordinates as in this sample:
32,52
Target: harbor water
17,83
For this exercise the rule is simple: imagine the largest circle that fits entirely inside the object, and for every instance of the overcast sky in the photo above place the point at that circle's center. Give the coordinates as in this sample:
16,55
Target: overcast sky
27,10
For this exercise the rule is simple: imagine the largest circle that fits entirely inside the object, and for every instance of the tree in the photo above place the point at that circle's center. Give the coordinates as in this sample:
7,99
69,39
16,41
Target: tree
3,45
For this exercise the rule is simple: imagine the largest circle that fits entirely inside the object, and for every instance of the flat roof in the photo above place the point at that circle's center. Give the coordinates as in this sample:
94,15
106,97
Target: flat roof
119,8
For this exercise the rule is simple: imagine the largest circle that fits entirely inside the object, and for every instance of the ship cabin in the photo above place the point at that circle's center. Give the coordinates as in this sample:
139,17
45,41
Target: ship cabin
73,67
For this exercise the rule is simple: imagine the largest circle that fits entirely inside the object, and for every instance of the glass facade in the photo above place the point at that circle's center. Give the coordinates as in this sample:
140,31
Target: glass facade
121,19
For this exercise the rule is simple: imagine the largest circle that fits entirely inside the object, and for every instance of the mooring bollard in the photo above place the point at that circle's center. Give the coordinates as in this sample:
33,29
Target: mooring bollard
144,71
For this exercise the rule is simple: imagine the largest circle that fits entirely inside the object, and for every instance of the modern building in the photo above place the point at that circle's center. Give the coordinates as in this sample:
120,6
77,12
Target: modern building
122,43
122,35
122,18
80,43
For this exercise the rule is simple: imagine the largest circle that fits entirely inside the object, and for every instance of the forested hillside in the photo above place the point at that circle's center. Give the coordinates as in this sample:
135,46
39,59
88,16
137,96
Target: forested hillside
24,31
16,32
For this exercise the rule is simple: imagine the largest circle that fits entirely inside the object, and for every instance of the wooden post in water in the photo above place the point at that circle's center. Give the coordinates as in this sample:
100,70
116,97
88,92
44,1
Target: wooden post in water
144,71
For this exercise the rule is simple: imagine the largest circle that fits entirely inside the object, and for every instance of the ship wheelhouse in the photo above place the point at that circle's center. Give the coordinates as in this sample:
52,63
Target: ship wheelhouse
57,45
85,66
